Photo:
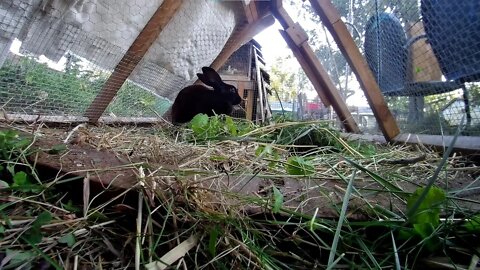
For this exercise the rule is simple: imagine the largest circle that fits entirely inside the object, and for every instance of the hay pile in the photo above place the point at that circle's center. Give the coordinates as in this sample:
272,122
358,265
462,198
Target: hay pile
228,202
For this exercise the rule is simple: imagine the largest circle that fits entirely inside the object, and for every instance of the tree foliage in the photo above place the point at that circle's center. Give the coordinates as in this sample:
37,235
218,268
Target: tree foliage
356,13
283,79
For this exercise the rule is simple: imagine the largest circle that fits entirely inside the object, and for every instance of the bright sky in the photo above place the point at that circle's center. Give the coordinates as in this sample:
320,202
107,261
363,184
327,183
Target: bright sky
60,65
272,43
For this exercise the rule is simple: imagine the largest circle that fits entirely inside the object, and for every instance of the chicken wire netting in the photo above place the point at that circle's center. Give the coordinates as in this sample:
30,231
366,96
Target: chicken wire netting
424,55
57,56
239,63
236,71
241,70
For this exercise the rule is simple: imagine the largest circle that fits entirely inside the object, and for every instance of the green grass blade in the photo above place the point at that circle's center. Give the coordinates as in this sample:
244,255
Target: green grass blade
434,177
336,238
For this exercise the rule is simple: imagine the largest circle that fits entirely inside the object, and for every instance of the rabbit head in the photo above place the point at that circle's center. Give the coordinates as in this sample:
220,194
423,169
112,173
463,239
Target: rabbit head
228,92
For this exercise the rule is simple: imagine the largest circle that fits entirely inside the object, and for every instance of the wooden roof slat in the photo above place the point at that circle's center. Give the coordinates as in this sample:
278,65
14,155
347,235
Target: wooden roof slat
132,57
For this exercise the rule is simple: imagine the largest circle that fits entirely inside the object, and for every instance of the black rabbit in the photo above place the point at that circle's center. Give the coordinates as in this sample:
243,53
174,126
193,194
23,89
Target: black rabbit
196,99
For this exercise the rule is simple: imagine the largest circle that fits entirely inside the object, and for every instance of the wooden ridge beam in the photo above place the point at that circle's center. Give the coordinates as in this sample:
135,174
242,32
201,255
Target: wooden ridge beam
132,57
337,28
296,39
242,37
251,11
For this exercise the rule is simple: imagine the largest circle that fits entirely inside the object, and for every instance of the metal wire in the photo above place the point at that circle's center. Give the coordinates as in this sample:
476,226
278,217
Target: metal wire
64,52
425,56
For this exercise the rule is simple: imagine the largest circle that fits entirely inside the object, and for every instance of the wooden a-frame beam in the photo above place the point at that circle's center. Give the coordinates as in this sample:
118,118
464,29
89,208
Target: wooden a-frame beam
251,11
132,57
240,38
337,28
296,39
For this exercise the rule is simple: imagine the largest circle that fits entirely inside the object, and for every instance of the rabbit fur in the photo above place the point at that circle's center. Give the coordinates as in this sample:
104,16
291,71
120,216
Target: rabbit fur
195,99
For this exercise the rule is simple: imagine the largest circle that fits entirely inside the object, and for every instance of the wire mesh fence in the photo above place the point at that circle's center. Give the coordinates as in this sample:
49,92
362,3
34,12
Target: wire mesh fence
33,88
237,71
57,56
239,63
425,56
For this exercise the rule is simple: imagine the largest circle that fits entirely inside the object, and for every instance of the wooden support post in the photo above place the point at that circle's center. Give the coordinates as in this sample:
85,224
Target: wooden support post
261,97
337,28
249,104
241,88
296,39
132,57
241,93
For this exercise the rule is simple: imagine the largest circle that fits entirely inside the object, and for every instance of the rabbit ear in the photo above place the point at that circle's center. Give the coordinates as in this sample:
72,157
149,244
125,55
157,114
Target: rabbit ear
210,77
202,78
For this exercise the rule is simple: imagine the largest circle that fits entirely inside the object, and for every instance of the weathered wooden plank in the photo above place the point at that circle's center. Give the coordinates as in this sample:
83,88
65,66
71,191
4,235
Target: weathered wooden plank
132,57
261,96
251,12
337,28
241,88
467,144
71,120
236,83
